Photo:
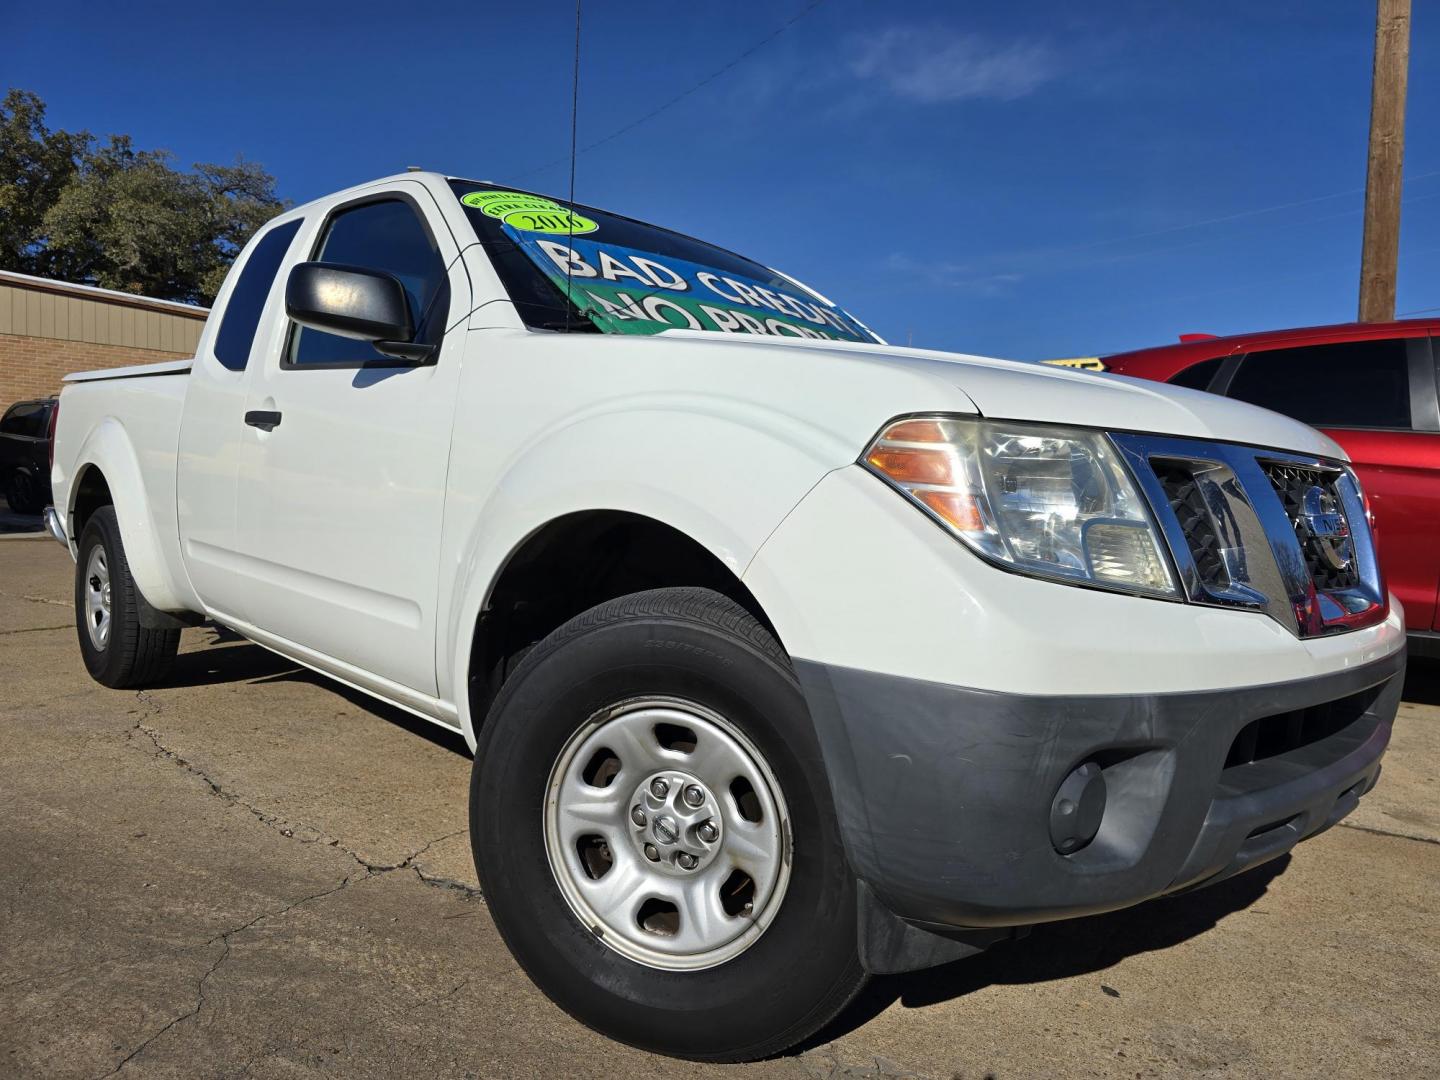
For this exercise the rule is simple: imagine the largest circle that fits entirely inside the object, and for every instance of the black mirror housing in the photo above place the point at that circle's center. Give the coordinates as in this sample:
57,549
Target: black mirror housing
350,301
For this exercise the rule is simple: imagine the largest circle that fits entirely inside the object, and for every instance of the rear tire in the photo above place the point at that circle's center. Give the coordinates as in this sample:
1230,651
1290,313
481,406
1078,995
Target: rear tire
748,984
118,651
22,493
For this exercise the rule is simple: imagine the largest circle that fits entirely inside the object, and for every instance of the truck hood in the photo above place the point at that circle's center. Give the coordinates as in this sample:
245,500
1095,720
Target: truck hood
1022,390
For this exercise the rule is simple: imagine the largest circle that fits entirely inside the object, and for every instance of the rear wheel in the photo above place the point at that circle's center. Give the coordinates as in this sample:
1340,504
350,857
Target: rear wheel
654,834
118,651
22,493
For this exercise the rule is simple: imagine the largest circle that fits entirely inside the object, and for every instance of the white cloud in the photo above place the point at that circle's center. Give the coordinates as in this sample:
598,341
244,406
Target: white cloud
932,65
961,277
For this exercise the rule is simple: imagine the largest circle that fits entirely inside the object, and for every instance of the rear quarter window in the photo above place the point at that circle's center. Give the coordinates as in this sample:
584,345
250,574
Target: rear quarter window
1197,376
247,300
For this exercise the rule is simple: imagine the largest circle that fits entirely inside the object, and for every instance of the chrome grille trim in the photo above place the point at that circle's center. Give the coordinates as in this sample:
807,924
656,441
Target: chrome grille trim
1236,520
1294,483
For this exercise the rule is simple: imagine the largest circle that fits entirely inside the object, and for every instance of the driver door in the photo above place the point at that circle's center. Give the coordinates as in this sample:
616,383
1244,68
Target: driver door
340,503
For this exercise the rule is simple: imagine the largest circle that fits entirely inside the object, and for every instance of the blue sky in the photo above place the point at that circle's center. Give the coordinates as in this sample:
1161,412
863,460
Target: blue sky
1028,180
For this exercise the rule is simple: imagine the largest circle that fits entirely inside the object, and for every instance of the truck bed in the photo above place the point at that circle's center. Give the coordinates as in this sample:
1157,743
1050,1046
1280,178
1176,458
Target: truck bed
129,417
132,371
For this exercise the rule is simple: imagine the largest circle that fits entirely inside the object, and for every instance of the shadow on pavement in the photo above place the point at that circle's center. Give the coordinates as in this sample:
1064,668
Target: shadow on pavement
230,658
1062,950
222,662
11,522
1422,681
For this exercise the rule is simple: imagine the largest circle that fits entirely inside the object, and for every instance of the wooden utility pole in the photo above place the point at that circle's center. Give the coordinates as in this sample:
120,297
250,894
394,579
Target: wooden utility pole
1380,250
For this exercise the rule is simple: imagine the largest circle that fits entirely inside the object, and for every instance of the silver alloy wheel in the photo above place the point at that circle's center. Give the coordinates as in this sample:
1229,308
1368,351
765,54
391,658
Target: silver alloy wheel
668,834
97,598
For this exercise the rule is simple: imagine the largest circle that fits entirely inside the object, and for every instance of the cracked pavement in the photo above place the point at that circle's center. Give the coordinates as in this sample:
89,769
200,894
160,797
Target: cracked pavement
253,872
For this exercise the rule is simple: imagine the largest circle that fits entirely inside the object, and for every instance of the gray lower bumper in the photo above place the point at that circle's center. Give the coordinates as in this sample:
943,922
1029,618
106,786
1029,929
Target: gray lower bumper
945,794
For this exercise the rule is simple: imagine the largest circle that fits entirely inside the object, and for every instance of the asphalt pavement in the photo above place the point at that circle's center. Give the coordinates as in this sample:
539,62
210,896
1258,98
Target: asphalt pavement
256,872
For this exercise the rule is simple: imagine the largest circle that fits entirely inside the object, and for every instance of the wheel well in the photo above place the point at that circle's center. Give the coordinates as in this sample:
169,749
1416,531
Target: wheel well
574,563
91,493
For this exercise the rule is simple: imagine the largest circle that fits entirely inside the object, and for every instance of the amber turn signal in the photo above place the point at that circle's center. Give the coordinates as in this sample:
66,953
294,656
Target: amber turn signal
958,510
907,466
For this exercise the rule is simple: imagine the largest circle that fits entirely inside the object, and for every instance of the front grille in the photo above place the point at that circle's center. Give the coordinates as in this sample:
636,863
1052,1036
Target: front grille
1261,530
1285,733
1292,483
1187,500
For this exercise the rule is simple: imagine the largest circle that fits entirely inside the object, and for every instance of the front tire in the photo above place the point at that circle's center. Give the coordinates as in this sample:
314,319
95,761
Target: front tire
118,651
663,737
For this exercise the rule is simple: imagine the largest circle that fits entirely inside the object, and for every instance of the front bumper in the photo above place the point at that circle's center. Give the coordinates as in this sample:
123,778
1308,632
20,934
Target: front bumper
946,795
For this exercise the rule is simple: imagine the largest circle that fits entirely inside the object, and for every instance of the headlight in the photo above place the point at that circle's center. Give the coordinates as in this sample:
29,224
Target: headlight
1044,500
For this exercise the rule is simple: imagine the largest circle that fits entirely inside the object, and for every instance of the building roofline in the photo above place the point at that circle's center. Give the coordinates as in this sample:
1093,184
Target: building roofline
107,296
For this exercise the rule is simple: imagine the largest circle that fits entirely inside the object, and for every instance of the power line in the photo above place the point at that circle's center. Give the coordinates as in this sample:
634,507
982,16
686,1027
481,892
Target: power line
1134,304
633,124
1229,217
1285,227
1131,256
1018,260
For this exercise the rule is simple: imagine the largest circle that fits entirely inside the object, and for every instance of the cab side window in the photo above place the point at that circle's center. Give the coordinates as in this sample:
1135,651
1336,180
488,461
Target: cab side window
388,236
1353,384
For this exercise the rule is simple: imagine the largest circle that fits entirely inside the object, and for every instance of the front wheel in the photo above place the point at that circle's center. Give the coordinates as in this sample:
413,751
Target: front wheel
653,831
118,651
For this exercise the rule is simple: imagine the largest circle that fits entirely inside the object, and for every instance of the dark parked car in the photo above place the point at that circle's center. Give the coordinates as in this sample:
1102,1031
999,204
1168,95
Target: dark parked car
25,434
1372,387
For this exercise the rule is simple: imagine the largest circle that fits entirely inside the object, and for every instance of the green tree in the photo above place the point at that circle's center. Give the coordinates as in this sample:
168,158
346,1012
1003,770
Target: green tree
35,165
124,218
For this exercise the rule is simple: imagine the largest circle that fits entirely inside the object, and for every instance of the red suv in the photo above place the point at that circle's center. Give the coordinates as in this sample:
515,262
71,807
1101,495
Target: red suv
1372,387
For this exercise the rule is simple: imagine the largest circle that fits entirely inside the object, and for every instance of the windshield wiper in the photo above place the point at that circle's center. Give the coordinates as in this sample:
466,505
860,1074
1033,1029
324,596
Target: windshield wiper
575,324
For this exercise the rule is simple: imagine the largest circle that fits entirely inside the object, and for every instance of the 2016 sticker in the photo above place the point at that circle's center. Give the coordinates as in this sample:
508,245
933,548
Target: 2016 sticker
529,213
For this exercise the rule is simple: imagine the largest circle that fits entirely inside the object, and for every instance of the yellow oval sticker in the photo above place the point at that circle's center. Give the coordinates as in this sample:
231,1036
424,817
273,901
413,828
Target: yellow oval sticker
529,213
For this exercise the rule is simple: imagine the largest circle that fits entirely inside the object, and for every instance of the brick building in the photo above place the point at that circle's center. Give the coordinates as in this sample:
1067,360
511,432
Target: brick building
50,328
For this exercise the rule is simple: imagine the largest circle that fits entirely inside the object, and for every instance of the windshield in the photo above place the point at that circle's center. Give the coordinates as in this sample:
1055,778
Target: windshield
625,277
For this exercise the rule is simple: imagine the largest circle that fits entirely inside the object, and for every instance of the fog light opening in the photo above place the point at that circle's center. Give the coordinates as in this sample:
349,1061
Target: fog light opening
1077,808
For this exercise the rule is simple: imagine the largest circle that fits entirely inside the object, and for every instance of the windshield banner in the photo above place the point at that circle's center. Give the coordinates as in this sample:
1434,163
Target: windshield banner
625,291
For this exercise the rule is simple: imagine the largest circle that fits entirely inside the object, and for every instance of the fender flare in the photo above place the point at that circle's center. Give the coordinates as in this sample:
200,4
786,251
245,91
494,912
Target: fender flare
108,449
477,585
717,504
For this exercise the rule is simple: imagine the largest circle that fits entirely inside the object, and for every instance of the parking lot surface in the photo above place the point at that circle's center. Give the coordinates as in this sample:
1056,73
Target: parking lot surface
256,872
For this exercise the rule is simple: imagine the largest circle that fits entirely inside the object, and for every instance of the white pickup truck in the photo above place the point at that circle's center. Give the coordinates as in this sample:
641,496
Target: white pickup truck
787,656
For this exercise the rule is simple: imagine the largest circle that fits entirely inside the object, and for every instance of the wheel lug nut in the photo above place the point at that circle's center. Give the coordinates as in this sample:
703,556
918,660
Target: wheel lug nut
651,853
637,815
694,796
686,860
707,832
659,788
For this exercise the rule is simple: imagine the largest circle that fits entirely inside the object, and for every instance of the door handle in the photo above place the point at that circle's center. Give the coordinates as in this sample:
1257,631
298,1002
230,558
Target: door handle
265,420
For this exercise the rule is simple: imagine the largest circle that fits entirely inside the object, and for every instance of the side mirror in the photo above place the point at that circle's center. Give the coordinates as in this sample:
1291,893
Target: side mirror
353,302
